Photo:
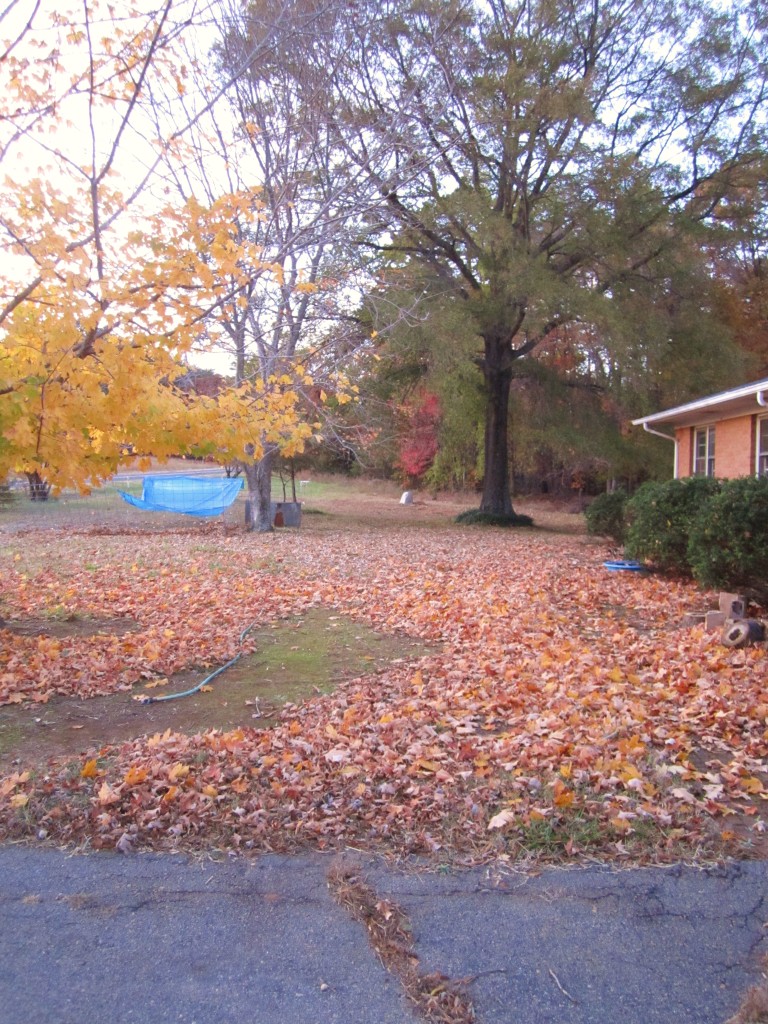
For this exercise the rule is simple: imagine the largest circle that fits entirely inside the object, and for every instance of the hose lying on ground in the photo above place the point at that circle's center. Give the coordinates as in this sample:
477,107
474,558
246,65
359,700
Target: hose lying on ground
147,699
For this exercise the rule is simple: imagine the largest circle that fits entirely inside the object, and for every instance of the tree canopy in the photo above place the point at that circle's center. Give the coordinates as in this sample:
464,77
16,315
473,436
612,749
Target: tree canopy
545,163
108,278
516,178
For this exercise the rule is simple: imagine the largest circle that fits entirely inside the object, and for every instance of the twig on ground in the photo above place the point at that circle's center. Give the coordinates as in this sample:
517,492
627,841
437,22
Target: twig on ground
557,982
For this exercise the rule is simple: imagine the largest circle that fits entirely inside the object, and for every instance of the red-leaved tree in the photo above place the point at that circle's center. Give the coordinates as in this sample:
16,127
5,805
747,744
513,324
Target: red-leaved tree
418,437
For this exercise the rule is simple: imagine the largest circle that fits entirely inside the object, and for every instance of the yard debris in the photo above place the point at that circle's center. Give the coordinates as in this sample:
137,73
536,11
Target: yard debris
743,633
737,628
559,713
437,998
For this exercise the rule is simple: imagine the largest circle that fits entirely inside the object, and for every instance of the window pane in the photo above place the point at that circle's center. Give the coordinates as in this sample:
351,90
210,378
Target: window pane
704,452
711,451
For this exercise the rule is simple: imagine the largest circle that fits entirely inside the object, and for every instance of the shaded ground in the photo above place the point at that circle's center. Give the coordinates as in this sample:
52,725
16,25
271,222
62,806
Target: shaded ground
295,660
69,627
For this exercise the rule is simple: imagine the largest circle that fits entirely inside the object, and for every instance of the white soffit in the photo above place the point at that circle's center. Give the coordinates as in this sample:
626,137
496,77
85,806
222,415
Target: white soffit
725,405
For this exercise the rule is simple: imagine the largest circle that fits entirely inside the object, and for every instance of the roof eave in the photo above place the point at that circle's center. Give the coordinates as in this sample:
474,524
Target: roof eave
722,403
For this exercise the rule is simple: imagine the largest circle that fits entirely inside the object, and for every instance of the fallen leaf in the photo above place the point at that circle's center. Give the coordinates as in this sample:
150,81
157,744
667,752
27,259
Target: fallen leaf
503,818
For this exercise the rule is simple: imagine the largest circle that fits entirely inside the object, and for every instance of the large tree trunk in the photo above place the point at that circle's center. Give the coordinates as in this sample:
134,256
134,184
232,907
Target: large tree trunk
497,370
259,477
39,489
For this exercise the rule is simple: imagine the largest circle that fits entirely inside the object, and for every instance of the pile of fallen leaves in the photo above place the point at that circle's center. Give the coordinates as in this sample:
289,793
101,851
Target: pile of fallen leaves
566,709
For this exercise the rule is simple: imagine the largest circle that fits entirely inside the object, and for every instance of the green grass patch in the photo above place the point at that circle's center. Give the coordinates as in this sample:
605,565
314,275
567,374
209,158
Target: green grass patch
552,838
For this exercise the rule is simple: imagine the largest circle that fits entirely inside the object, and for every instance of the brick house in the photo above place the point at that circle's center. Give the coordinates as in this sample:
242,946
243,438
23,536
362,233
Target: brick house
724,435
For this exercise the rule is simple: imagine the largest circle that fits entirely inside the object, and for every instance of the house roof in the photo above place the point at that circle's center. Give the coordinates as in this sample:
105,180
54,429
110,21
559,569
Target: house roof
724,405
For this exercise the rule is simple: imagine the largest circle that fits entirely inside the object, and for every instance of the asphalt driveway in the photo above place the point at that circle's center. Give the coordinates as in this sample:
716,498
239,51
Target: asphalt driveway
149,939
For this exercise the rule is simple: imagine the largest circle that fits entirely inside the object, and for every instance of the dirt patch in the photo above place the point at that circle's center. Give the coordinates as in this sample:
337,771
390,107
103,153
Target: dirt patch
295,660
739,825
361,512
62,628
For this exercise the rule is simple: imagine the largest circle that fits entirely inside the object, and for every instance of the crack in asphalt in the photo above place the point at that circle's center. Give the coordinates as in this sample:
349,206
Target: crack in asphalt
87,902
435,997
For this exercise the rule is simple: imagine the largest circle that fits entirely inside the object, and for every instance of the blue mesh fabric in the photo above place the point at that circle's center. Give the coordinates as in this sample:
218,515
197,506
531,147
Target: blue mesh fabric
190,495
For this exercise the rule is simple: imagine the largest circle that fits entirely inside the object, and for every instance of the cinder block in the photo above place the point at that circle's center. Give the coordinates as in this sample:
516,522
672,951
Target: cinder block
715,620
733,606
693,619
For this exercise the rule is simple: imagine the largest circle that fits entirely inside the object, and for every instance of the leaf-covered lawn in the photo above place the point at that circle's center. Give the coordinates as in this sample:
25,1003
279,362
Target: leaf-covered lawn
566,711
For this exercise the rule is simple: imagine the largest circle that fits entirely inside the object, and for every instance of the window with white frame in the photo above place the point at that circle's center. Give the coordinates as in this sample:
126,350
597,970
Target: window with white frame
704,451
762,446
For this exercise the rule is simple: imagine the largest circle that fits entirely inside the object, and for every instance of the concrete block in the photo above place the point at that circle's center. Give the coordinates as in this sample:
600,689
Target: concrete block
715,620
733,606
691,619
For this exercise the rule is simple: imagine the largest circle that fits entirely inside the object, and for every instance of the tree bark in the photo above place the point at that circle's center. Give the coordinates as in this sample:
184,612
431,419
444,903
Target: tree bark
497,371
259,477
39,489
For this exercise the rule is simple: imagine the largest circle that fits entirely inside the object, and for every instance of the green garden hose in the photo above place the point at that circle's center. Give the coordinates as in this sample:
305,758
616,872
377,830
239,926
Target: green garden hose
146,699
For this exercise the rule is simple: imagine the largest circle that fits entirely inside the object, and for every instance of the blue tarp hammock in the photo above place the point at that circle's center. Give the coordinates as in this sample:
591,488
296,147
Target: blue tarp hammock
191,495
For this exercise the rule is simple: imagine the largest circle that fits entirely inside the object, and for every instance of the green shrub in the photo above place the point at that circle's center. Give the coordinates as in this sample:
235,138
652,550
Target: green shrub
659,520
606,515
728,544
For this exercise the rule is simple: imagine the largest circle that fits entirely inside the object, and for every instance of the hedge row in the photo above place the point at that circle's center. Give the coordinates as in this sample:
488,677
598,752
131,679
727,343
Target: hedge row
713,530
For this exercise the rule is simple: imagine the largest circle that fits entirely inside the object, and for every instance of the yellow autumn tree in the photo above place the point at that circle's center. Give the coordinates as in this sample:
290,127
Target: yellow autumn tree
104,284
